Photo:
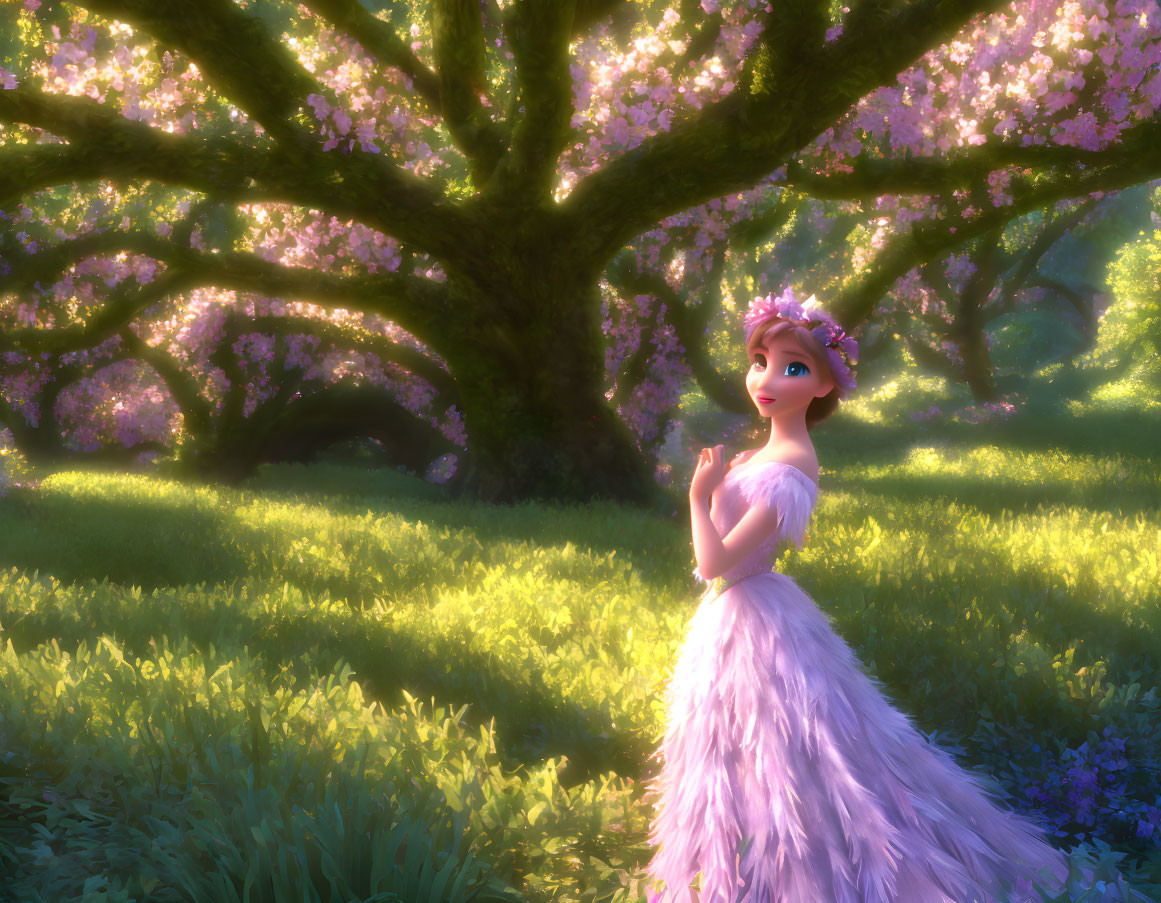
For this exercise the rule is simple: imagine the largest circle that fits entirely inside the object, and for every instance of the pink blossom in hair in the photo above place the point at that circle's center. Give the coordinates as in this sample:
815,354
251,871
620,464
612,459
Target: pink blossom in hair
841,349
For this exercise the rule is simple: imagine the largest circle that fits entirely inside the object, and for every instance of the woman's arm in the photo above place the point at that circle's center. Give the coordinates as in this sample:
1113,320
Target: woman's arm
715,555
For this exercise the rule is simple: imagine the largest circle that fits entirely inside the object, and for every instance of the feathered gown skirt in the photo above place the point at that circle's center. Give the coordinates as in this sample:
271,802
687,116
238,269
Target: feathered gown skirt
776,735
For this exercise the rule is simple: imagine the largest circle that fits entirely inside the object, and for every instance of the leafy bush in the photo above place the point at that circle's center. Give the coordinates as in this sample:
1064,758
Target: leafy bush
1128,349
14,469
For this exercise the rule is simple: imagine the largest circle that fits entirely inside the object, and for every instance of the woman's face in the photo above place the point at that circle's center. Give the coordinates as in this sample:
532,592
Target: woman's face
783,379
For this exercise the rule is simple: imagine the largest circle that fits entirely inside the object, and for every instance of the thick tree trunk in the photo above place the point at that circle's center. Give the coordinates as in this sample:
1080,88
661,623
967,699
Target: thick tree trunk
229,463
977,366
972,320
526,449
529,367
40,445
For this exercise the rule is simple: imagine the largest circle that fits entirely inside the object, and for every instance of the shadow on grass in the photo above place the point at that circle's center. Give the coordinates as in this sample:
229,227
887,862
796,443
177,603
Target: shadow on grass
1125,499
946,670
1039,427
1094,433
161,542
532,722
148,543
165,546
1059,617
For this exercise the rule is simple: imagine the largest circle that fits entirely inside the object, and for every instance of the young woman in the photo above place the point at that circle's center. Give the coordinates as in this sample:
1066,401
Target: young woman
787,777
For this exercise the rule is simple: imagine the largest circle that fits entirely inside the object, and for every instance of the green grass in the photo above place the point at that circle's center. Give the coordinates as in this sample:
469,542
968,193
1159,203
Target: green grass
333,684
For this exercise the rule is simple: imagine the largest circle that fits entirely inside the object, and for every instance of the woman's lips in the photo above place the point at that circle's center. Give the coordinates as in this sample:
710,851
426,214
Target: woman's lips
762,399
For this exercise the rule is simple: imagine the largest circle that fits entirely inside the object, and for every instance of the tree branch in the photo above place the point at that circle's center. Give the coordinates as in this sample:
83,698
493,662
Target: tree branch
27,168
183,387
753,232
590,12
125,303
231,413
362,186
1081,303
1048,236
854,304
379,39
1140,147
634,372
731,144
703,30
105,144
421,306
382,347
239,56
932,359
539,32
786,55
936,279
688,326
454,92
458,39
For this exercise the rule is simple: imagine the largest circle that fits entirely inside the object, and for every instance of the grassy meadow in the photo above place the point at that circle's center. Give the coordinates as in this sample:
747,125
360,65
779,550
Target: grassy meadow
334,684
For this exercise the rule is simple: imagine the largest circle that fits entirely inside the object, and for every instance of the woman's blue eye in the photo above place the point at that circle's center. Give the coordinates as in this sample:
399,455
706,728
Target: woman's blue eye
797,368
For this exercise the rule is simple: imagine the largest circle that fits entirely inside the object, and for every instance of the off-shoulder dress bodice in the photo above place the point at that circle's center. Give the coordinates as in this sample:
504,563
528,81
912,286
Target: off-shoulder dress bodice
763,483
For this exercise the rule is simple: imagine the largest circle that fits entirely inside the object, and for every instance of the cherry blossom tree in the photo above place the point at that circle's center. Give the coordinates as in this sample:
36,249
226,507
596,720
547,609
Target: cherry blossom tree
485,183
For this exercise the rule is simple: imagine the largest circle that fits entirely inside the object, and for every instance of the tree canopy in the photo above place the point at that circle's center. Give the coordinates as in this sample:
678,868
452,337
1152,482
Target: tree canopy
239,228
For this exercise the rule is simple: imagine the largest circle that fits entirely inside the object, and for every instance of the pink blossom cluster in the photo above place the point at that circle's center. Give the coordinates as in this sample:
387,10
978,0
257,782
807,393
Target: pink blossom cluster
623,96
299,237
920,416
123,404
648,405
337,127
126,403
1075,73
986,412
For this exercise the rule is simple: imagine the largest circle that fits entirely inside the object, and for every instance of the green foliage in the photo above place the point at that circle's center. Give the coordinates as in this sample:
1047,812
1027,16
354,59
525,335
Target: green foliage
211,693
226,790
10,45
1025,341
893,399
1129,340
14,468
1081,257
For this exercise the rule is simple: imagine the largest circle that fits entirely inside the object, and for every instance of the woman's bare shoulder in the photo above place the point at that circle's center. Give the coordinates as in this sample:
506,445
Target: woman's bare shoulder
801,460
744,456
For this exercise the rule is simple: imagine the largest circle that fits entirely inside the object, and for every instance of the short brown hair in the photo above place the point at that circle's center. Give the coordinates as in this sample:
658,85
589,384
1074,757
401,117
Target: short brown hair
820,408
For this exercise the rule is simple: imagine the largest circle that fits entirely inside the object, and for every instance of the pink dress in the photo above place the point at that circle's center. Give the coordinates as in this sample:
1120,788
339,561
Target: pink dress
775,735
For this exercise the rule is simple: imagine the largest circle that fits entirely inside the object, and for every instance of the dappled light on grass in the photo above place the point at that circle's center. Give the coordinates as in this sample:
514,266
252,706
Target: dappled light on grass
1006,595
886,403
997,478
363,549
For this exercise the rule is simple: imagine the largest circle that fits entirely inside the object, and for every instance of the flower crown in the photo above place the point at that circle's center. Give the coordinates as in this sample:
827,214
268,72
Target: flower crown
841,350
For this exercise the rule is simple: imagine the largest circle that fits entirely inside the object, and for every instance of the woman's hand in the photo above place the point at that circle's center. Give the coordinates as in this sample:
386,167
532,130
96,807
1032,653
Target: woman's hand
710,470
